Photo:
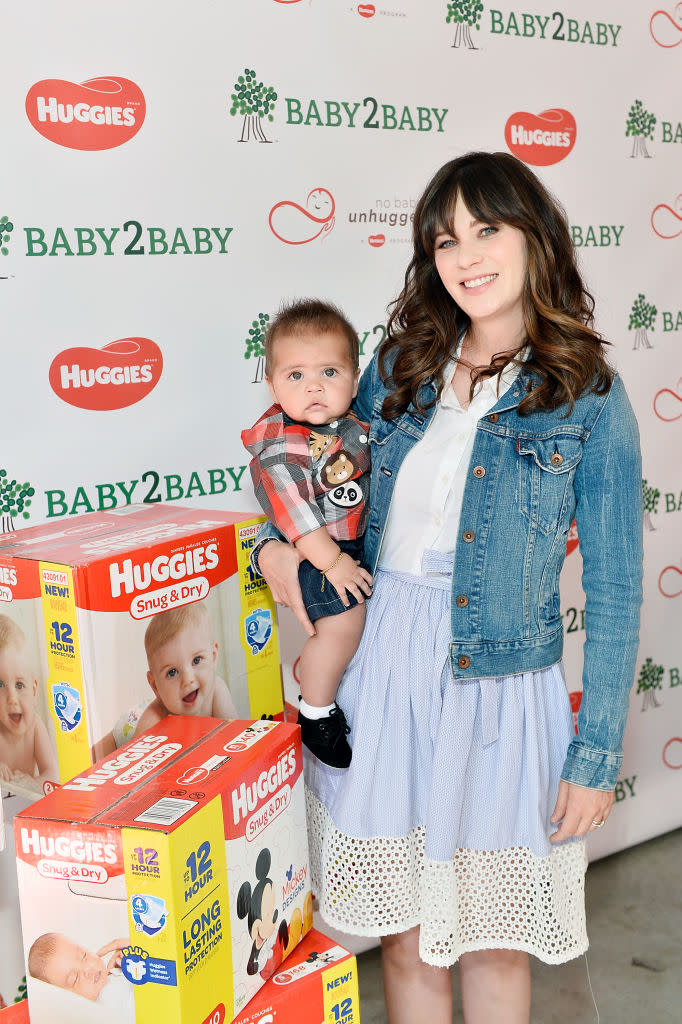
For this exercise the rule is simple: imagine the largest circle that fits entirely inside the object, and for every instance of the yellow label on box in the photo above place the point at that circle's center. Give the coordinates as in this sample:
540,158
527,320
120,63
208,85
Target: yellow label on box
178,914
340,994
65,690
257,632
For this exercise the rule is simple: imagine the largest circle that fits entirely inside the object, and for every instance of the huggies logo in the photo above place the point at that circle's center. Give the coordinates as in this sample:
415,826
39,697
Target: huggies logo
113,377
131,577
541,139
101,113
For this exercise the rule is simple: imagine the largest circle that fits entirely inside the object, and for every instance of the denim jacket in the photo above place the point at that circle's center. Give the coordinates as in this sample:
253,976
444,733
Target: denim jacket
528,478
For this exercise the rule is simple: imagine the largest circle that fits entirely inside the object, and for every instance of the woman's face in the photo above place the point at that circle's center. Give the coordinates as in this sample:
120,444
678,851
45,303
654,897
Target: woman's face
484,268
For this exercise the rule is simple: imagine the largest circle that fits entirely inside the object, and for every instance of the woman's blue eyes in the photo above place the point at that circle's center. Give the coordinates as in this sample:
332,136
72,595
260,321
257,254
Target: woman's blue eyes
486,232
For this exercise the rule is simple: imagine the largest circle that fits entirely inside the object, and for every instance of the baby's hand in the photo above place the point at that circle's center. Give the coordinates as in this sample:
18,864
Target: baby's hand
348,577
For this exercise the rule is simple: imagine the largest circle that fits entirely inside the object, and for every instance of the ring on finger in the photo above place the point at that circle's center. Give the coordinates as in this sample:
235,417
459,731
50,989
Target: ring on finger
598,824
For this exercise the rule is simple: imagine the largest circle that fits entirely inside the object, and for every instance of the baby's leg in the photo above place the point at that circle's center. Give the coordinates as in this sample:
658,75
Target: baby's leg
323,661
325,656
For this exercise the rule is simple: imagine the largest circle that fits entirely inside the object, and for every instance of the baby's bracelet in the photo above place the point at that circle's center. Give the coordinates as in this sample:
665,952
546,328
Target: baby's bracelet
335,562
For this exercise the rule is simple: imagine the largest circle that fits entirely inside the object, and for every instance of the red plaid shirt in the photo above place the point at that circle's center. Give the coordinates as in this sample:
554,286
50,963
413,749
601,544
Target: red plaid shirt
306,477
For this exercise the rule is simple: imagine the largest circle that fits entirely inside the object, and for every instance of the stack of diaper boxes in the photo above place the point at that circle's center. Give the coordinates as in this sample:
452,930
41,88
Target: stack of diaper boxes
76,599
170,880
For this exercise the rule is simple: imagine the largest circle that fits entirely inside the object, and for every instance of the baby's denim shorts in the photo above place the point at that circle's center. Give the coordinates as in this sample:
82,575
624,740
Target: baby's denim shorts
319,602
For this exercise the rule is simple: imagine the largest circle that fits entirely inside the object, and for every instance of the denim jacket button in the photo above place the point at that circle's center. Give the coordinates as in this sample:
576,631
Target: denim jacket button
462,601
464,662
479,471
494,417
468,536
556,459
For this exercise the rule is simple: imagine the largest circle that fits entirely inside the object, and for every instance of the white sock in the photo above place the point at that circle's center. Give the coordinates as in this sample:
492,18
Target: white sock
314,712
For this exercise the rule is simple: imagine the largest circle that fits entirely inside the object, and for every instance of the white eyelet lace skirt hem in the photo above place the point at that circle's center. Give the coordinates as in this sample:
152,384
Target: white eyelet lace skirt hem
480,899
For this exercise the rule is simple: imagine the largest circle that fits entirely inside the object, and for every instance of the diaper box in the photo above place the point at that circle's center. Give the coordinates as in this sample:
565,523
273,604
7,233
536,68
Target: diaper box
318,982
169,881
95,610
15,1013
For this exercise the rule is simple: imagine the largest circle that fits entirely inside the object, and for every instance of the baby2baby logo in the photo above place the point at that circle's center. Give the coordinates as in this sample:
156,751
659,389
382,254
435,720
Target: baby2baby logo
101,113
541,139
113,377
254,102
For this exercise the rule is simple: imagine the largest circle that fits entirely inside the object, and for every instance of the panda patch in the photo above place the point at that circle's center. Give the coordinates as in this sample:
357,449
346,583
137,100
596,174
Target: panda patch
345,495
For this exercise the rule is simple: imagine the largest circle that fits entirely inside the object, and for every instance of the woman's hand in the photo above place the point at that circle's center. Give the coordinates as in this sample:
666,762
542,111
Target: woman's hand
278,563
579,810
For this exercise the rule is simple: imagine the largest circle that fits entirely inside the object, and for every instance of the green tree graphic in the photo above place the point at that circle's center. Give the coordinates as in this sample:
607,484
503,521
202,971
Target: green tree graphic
15,499
21,994
255,344
466,14
649,681
6,228
642,317
650,496
253,101
640,124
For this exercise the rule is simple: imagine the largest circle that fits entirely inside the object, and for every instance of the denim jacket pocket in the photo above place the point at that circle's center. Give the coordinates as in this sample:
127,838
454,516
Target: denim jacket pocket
547,467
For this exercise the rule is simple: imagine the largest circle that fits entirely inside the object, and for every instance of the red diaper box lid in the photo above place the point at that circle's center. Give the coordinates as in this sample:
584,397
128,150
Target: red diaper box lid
317,983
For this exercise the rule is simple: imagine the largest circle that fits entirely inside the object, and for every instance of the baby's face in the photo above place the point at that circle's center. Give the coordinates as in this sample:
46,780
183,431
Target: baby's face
18,688
312,376
182,672
76,969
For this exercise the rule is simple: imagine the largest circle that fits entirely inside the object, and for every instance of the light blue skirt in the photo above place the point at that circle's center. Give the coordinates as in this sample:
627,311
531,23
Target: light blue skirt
443,818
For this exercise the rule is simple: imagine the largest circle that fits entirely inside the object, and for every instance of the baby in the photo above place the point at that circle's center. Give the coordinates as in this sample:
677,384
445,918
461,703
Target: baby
59,961
311,476
25,749
181,654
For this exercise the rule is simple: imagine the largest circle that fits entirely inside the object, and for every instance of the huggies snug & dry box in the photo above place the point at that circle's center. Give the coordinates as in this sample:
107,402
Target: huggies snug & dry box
180,864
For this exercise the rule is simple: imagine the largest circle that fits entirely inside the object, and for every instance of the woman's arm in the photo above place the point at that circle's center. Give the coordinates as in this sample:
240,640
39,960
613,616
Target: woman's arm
608,489
278,564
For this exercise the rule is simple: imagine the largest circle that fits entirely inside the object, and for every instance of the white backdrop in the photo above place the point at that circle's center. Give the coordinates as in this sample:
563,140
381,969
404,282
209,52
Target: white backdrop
299,179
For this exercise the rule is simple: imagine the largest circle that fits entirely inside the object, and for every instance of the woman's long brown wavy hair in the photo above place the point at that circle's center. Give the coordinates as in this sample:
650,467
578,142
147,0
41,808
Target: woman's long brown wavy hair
566,353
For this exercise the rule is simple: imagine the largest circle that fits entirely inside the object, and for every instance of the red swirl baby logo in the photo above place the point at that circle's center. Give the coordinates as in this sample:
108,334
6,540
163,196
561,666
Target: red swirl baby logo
366,10
296,224
668,403
666,220
101,113
666,28
541,139
118,375
672,753
376,241
670,581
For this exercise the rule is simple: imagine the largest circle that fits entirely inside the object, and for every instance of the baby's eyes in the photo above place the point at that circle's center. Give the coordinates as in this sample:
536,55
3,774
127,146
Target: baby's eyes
330,372
171,673
19,685
295,375
197,659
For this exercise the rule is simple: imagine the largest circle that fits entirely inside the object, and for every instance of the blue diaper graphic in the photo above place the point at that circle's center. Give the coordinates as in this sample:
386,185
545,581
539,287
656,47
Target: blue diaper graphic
67,706
258,628
149,913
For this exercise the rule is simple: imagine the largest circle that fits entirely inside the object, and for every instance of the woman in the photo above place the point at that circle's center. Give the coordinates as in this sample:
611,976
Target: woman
457,832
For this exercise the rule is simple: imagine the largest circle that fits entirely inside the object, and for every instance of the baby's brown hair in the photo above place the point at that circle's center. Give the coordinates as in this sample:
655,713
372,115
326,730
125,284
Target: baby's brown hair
311,316
164,626
39,955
